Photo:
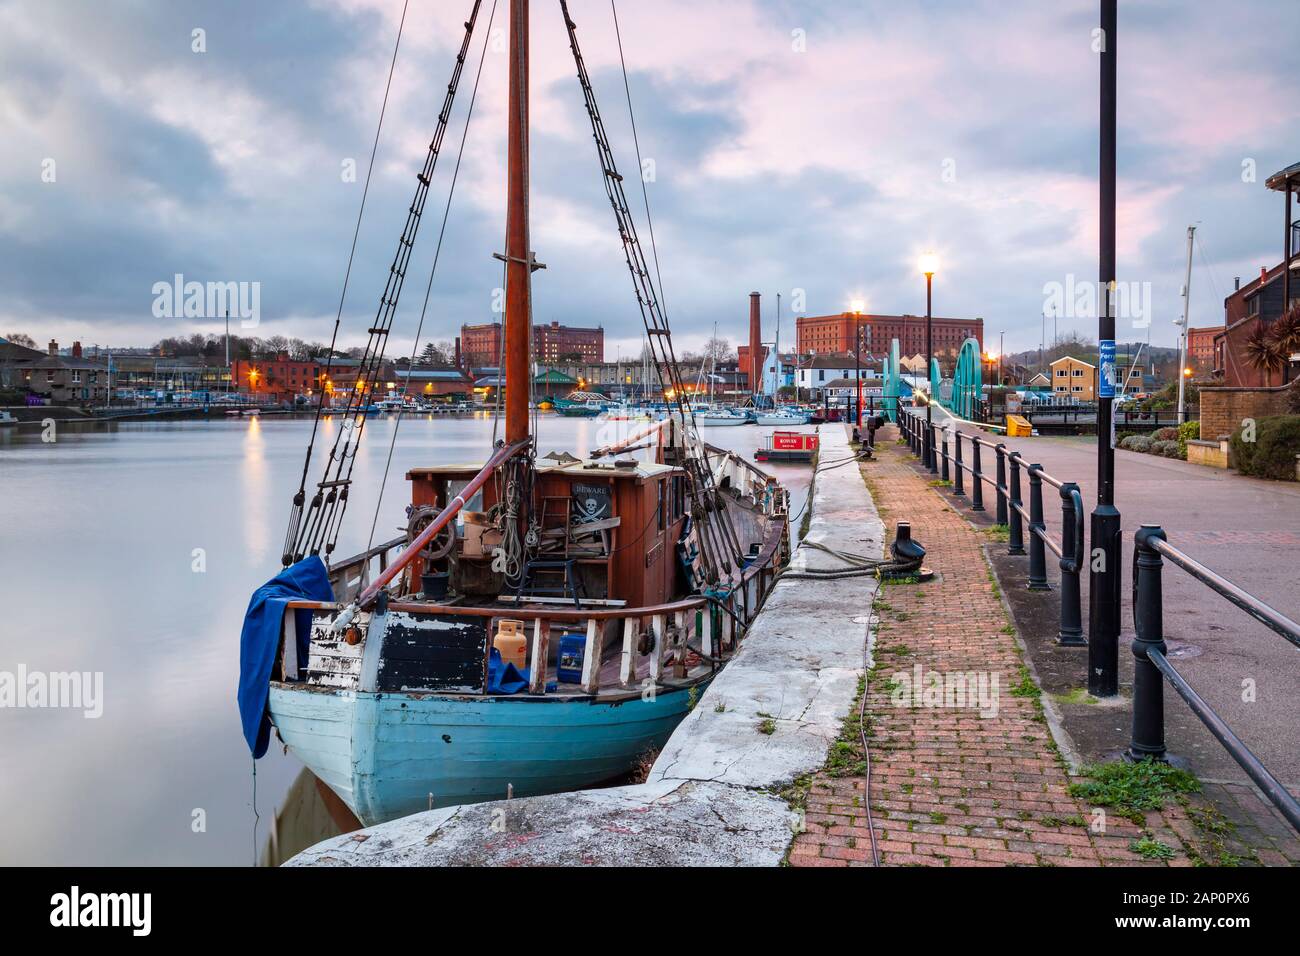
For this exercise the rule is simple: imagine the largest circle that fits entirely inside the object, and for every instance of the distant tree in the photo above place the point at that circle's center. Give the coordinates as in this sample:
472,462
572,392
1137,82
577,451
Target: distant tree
21,338
430,357
276,344
719,350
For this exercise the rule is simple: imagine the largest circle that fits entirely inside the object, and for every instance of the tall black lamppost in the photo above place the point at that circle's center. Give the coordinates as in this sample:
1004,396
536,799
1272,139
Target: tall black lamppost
1104,580
929,266
857,363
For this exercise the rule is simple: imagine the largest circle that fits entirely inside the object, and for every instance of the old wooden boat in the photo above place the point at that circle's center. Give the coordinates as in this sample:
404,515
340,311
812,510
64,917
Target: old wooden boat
545,622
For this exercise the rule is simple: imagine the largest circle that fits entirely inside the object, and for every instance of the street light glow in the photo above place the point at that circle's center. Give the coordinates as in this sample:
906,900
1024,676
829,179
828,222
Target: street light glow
929,264
857,306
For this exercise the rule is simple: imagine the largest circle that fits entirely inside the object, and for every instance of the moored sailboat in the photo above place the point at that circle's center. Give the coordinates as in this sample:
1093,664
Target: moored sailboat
545,621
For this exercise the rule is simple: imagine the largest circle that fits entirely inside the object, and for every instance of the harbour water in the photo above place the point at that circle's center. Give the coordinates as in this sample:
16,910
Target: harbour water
130,550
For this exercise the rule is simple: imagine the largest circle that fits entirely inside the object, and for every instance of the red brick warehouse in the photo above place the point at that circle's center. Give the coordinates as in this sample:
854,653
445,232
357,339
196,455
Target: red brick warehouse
834,333
481,344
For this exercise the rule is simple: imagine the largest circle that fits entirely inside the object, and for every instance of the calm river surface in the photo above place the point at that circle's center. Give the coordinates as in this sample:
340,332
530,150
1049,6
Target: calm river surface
131,549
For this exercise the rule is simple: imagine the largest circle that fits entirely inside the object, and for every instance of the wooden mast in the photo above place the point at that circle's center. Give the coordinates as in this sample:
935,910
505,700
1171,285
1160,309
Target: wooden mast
518,255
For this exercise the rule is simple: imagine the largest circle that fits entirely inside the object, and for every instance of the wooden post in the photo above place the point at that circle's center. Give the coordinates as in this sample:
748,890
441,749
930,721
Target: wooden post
541,646
706,631
679,651
289,633
627,669
657,655
591,658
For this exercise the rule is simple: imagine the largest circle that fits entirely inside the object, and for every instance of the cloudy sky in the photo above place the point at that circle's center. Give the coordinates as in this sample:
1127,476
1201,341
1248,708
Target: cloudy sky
806,148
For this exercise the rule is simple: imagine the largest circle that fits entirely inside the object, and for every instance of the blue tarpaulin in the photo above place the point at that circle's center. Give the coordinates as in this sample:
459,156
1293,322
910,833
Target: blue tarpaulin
504,677
308,580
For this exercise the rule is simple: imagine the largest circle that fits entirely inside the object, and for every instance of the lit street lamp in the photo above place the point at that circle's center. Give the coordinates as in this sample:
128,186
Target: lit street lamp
929,265
857,305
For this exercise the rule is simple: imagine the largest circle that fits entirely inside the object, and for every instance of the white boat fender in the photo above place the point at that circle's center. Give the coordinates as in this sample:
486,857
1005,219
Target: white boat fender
345,619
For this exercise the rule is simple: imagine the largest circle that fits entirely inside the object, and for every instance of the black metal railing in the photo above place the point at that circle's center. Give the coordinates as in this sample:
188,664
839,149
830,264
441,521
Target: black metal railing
1152,667
1011,471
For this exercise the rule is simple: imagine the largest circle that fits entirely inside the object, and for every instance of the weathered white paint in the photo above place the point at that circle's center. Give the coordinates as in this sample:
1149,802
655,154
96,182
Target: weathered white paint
627,664
591,658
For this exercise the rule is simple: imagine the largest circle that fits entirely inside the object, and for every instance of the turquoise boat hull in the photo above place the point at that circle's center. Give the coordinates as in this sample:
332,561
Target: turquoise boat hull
389,755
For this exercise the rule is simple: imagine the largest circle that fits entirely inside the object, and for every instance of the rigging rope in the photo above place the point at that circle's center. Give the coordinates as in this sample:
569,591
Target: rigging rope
437,253
719,545
295,514
324,516
636,143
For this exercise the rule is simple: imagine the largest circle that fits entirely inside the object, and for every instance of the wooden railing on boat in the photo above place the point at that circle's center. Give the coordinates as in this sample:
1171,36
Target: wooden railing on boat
350,577
707,624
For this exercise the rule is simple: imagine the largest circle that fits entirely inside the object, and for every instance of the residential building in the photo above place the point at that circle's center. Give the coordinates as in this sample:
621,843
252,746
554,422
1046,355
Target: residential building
875,333
482,344
1136,378
55,378
1074,378
821,370
1260,302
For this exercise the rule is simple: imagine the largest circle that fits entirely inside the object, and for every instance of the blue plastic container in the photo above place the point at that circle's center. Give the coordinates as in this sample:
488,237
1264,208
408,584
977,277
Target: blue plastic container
568,665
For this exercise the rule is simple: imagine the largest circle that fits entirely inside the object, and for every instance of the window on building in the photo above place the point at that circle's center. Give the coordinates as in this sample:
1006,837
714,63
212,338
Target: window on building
76,376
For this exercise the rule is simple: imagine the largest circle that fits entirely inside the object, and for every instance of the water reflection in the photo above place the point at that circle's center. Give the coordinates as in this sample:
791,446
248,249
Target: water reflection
104,577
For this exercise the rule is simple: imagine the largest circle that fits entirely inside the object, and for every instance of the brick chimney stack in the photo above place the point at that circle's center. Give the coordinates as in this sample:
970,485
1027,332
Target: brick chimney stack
54,347
457,359
76,350
755,344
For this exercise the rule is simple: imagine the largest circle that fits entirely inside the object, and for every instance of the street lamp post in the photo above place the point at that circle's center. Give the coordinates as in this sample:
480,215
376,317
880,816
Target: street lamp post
1104,580
857,307
929,266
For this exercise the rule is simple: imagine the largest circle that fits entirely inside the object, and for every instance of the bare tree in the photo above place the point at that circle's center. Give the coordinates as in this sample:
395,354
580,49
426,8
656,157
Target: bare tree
719,350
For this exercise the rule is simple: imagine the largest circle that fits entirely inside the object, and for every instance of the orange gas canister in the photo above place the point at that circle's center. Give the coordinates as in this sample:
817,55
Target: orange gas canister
512,643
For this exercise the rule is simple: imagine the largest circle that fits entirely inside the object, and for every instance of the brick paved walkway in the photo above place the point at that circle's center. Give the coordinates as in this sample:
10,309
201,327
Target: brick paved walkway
949,786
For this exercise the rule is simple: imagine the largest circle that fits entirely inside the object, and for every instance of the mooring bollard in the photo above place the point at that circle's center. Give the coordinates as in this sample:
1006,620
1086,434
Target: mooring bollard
958,478
1037,528
976,478
943,457
1000,452
1148,741
1015,520
1071,633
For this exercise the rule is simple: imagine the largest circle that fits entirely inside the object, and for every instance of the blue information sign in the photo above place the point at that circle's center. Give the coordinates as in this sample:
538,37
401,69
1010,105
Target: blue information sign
1106,373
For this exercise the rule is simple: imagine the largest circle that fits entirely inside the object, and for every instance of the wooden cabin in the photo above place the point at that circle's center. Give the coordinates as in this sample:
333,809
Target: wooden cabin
615,524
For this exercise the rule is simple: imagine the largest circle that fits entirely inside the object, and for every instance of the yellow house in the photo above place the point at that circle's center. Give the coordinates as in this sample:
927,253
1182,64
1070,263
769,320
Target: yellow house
1074,378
